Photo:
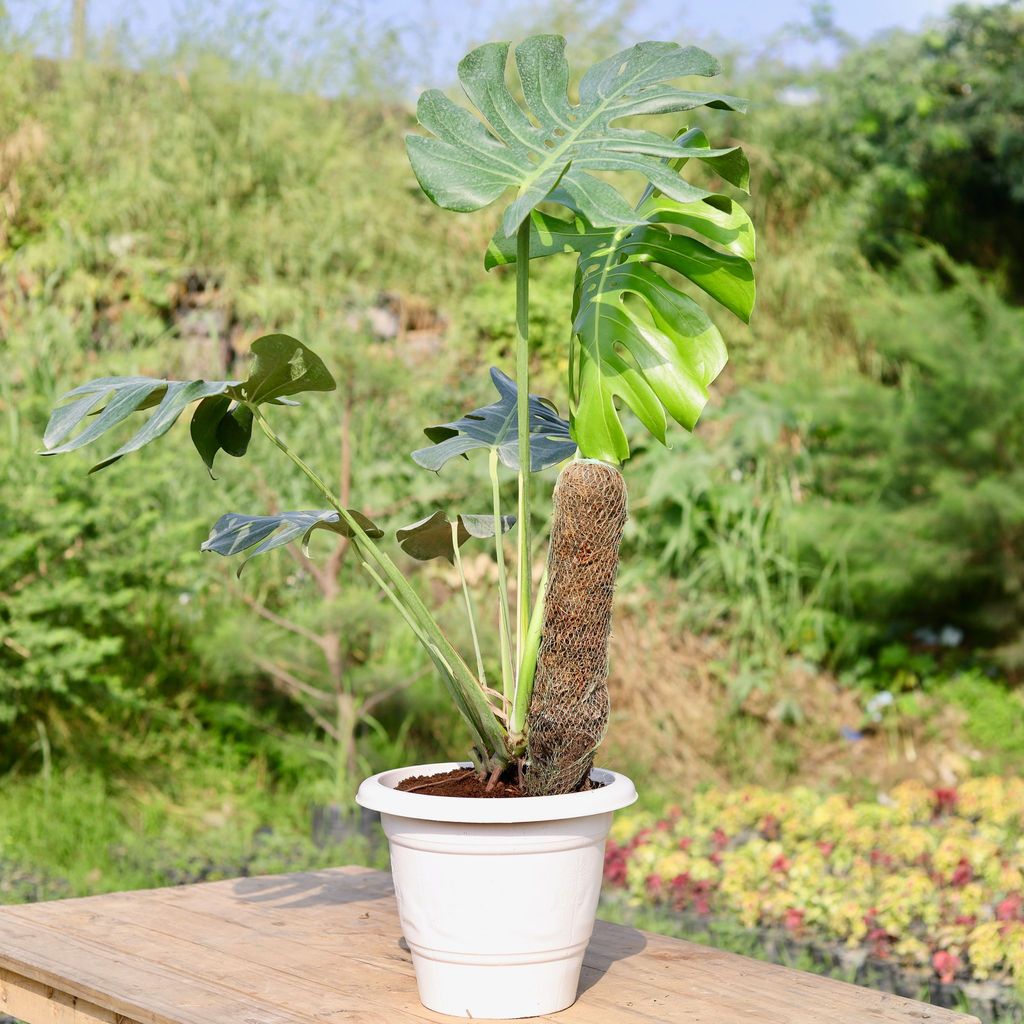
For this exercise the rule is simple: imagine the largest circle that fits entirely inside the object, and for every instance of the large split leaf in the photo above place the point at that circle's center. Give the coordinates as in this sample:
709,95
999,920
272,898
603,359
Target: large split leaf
636,336
495,427
234,532
465,164
222,421
431,537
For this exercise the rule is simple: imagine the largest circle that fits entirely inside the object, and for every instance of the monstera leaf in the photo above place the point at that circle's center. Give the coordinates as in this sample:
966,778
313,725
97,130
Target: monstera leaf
281,366
495,427
467,165
235,532
636,336
431,537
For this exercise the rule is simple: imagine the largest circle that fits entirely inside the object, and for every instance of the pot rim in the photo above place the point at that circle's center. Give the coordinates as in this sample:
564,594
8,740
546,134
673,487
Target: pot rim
378,793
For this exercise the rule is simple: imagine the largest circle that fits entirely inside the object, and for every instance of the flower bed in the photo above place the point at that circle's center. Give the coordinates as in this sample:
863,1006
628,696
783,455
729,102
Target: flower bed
927,881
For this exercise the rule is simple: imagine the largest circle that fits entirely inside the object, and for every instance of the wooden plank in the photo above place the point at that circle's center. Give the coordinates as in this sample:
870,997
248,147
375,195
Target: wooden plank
216,957
645,982
367,940
34,1003
129,987
325,946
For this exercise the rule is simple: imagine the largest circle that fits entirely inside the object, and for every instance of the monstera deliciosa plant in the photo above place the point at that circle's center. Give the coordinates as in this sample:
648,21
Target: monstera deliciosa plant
637,337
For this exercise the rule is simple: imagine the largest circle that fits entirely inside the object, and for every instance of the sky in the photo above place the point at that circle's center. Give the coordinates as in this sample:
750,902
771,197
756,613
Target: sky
433,34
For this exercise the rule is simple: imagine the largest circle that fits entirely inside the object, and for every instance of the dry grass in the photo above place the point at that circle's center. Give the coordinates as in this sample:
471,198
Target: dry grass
675,720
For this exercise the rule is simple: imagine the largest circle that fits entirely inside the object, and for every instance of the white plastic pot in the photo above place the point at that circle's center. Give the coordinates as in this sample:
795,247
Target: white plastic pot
496,897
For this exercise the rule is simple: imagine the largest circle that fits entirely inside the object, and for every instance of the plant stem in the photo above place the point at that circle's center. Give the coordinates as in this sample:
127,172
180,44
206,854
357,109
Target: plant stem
527,672
523,563
462,684
504,619
469,604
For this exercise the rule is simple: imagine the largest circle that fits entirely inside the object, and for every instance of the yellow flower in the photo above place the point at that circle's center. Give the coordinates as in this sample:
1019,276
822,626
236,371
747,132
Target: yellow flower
914,800
985,949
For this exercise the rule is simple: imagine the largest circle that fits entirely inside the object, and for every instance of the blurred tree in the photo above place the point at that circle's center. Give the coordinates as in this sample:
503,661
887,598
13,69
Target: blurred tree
924,136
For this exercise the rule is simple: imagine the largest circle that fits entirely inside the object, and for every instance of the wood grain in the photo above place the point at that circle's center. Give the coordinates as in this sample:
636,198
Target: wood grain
326,946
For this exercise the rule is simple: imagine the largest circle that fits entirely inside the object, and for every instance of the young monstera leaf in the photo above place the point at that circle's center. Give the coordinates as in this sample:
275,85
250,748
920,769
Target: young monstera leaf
431,537
637,336
234,532
495,427
465,165
281,367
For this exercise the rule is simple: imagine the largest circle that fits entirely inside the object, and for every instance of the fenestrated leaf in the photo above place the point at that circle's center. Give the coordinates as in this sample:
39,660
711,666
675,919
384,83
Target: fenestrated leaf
718,219
495,427
466,164
235,532
431,537
281,366
636,336
177,396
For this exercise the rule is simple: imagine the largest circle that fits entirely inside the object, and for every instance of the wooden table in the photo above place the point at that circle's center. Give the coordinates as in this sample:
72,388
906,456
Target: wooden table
326,946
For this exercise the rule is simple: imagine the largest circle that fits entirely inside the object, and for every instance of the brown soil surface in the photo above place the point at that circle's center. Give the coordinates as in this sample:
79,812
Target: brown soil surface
459,782
465,782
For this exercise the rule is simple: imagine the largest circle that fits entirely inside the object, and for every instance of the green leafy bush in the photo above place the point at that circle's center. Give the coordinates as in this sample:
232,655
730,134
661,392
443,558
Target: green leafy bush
915,135
834,514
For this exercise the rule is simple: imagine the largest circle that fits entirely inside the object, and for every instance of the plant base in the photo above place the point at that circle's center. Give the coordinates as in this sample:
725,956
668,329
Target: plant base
497,898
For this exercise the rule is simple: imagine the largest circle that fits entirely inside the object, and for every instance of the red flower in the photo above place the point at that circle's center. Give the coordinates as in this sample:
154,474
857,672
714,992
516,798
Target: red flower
945,800
654,887
1011,908
719,840
781,863
685,843
962,873
614,863
946,965
640,838
793,920
770,828
702,897
681,891
826,848
879,939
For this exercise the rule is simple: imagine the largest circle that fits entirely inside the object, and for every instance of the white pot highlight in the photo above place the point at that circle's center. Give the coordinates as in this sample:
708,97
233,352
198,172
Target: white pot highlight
496,897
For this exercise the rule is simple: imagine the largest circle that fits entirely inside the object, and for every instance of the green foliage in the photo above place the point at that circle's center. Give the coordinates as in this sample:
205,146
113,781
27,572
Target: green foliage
465,167
234,532
77,833
934,437
495,428
856,482
995,718
436,536
659,353
462,169
833,512
89,636
920,134
281,366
